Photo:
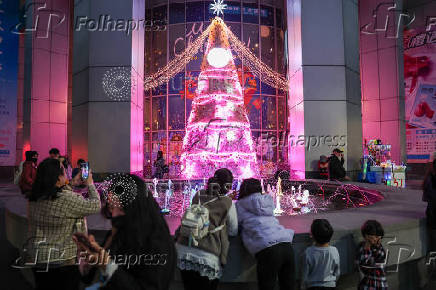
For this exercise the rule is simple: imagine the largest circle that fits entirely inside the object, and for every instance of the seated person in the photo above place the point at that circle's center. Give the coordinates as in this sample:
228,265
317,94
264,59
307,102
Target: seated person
336,166
323,167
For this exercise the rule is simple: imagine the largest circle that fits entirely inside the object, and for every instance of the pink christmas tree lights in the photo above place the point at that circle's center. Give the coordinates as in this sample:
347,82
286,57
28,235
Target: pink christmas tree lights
218,132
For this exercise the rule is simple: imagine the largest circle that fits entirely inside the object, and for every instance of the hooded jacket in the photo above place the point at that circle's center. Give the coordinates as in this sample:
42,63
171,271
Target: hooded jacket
260,229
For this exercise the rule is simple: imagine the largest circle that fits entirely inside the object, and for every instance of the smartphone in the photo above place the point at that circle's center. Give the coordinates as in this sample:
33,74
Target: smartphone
85,170
83,239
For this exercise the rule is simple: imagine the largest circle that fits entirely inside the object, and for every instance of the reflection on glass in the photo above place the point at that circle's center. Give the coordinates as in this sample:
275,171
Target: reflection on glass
177,13
250,12
194,11
176,113
251,37
267,44
269,113
159,112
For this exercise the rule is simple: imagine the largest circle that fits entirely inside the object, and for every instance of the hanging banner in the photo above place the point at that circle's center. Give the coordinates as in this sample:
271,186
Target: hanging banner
420,93
8,81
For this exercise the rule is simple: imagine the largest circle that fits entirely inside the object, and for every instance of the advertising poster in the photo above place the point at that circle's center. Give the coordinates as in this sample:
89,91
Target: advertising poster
8,82
420,93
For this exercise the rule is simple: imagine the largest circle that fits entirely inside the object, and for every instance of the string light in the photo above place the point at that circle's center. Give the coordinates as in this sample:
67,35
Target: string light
175,66
119,83
257,67
119,190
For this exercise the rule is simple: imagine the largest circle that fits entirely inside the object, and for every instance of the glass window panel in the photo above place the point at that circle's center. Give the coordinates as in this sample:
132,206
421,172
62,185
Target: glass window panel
266,15
147,160
236,29
148,52
177,40
269,113
160,13
188,108
147,112
175,152
282,110
269,2
267,45
250,13
177,12
251,38
194,11
253,111
159,52
256,135
159,90
269,149
176,112
267,89
250,84
159,113
191,82
279,18
232,12
280,51
176,85
193,30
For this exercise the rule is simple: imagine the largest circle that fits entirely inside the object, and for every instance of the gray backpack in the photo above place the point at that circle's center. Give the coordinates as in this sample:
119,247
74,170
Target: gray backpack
195,222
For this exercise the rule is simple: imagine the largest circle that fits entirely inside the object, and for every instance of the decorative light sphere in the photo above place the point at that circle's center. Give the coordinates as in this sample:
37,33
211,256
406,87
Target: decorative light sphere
218,57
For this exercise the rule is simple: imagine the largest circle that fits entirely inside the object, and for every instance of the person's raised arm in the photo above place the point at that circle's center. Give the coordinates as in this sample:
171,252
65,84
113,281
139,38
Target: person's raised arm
79,206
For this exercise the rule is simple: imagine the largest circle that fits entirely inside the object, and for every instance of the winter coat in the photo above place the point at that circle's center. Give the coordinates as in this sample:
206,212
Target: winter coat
336,168
27,177
260,229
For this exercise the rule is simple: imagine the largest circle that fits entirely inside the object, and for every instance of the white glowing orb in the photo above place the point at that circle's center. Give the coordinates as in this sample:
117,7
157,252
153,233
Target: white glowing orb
219,57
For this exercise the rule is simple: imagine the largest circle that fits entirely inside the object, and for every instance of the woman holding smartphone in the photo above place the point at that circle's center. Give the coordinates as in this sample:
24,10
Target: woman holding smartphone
55,212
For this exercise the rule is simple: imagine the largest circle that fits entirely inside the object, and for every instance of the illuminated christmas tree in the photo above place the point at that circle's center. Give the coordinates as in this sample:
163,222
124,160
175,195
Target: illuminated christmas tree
218,132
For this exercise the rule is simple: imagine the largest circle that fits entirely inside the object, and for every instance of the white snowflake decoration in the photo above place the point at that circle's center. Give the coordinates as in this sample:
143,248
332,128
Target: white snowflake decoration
218,6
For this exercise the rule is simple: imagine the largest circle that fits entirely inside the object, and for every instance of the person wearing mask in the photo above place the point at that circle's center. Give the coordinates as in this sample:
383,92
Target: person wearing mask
336,166
28,174
138,253
201,264
55,212
54,153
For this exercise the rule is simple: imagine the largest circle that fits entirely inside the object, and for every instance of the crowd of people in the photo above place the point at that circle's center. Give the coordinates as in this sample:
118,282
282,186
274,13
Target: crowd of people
66,257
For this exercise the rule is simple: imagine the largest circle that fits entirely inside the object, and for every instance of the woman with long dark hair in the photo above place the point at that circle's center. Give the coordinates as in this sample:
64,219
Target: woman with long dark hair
201,264
55,212
28,174
139,252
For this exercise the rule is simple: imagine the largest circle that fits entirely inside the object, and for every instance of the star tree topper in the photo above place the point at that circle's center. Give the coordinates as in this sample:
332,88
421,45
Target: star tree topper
218,6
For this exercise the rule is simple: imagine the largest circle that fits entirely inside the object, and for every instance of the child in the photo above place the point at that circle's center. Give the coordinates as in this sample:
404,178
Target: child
320,265
265,238
371,257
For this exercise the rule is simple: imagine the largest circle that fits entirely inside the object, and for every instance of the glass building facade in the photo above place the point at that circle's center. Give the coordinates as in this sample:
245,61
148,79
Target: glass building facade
261,26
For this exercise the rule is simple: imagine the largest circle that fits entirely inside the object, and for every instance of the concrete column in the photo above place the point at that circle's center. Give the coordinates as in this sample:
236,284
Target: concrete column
323,69
382,70
106,131
46,64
